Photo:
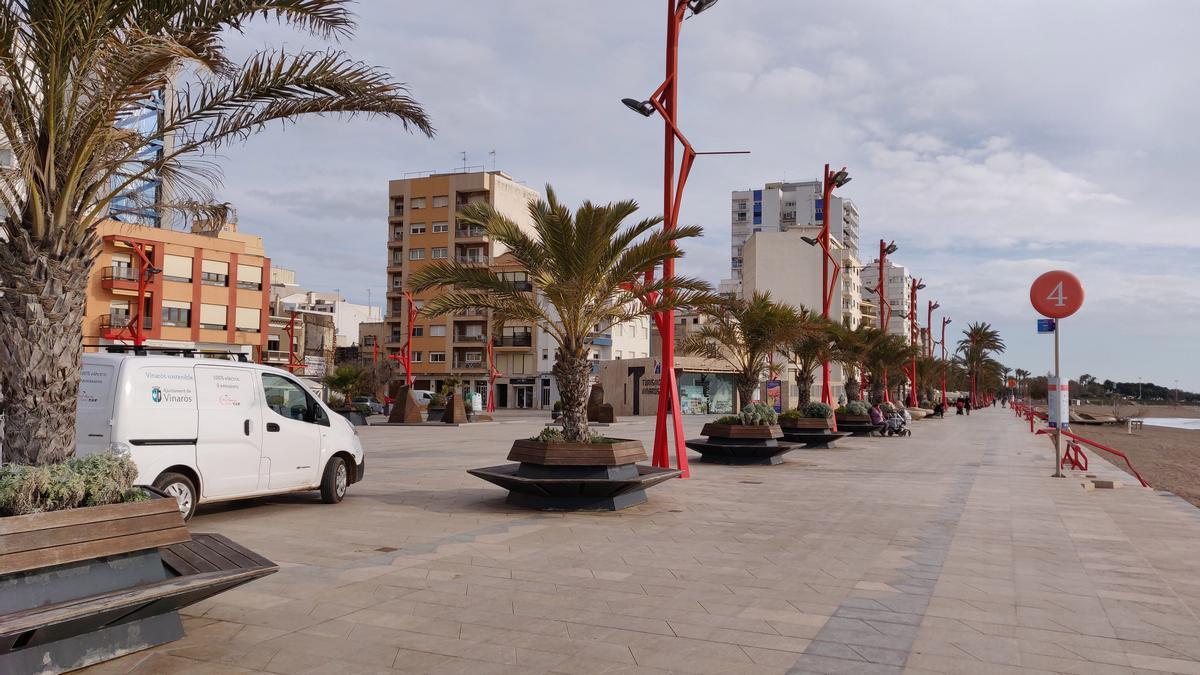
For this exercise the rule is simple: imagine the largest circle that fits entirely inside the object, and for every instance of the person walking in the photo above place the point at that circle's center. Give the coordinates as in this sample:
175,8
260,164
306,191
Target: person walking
967,406
958,406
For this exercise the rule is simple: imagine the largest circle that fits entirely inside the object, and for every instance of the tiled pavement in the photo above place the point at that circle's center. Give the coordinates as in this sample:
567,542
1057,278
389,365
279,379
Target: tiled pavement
949,552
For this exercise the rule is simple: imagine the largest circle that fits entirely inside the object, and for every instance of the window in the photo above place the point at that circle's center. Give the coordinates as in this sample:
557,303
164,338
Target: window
441,227
273,343
418,331
398,206
248,319
417,357
438,253
398,232
397,281
741,217
289,400
176,268
397,257
416,254
177,314
249,277
368,340
419,228
437,331
214,317
214,273
437,357
441,201
473,357
617,355
418,202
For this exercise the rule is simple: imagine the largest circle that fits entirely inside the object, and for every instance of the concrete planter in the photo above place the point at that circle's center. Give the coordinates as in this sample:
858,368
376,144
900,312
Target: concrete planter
805,423
859,425
813,432
562,476
741,444
433,414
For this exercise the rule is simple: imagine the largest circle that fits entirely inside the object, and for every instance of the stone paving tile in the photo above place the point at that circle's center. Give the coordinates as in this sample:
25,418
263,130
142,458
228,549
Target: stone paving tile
948,552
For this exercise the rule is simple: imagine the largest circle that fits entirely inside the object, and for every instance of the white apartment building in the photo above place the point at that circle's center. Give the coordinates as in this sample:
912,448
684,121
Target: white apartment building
346,315
629,340
897,283
797,206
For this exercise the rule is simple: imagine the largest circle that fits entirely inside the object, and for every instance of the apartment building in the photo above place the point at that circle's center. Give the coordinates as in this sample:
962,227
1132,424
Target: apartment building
205,290
686,323
422,228
346,315
897,283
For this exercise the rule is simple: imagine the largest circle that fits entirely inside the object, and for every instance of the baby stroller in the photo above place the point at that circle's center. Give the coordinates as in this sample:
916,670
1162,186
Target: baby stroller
896,425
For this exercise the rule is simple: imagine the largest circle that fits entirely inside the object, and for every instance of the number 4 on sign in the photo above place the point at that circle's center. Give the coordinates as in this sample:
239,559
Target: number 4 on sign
1056,296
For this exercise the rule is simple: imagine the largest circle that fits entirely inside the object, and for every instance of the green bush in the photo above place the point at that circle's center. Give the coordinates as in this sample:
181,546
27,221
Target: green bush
758,415
558,406
728,419
437,400
793,414
857,408
556,435
94,480
887,407
817,410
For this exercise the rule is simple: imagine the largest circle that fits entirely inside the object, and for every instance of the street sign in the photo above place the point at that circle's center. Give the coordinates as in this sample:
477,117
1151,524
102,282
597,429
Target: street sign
1056,294
1045,325
1012,382
314,366
1059,403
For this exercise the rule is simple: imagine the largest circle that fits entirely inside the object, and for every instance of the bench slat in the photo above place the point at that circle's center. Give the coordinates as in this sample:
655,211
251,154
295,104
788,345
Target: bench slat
14,624
41,521
75,534
213,557
60,555
226,542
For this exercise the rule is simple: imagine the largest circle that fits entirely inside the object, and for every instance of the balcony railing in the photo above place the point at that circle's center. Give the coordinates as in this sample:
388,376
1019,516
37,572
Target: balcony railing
119,273
526,286
468,365
473,259
469,337
471,312
525,340
470,232
116,322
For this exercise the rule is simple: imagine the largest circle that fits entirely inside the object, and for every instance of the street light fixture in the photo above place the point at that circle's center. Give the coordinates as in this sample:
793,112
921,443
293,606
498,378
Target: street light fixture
914,337
885,310
929,323
832,179
643,108
945,364
810,241
698,6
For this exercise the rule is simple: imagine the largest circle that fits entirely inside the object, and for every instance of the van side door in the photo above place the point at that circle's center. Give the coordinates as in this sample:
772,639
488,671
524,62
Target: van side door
94,411
291,433
229,440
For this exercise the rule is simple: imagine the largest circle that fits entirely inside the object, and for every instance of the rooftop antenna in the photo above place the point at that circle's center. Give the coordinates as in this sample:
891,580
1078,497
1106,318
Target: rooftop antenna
493,154
464,157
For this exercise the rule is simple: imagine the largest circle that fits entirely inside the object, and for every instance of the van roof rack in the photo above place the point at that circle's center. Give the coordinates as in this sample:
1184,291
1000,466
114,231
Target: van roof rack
185,352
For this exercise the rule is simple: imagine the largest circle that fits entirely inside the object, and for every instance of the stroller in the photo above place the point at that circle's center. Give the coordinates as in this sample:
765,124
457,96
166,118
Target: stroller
896,425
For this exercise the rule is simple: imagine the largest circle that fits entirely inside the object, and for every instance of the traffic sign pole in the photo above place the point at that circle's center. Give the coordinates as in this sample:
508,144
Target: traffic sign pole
1056,295
1058,427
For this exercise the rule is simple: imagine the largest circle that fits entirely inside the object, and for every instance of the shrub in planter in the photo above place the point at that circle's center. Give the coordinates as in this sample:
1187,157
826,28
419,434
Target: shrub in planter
817,410
556,411
887,407
728,420
858,408
94,480
751,437
758,414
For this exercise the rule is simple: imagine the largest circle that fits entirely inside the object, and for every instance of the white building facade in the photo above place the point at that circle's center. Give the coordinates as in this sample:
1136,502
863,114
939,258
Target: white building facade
346,315
897,283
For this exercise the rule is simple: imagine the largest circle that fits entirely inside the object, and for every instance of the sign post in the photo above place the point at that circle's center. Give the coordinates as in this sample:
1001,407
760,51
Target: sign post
1057,294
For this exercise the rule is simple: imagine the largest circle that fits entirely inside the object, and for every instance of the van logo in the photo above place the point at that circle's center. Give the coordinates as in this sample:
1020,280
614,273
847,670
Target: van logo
156,394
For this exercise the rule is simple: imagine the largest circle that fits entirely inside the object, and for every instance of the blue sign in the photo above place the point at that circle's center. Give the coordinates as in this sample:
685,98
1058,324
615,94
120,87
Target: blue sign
1045,325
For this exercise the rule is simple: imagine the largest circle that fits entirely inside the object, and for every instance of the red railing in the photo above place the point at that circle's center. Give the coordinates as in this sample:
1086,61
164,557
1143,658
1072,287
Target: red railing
1098,446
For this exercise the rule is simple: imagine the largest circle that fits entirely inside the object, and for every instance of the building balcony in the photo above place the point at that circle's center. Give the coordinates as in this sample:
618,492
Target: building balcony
513,341
470,233
480,366
113,325
394,267
472,259
470,315
602,341
119,278
395,292
523,286
470,338
397,244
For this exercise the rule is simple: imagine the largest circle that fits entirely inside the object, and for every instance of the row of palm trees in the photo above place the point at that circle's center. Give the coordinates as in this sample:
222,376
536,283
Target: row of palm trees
758,335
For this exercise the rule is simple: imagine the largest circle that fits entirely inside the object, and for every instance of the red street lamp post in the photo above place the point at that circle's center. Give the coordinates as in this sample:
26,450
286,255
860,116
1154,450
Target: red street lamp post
885,310
832,179
945,365
665,102
929,330
912,322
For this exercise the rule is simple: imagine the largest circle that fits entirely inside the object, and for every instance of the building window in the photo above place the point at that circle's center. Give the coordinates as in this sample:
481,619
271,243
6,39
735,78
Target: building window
419,228
398,232
397,281
214,279
248,319
416,254
438,253
418,202
177,314
437,331
617,355
398,206
417,357
441,227
176,268
473,357
214,317
418,331
368,340
441,201
437,357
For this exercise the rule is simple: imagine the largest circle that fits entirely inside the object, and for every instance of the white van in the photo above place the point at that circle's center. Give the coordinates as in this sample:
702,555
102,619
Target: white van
204,430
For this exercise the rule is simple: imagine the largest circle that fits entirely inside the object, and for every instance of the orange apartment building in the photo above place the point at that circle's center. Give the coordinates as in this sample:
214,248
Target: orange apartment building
209,292
422,228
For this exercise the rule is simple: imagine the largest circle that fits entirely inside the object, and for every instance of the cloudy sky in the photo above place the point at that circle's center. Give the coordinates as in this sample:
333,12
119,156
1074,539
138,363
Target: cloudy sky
991,141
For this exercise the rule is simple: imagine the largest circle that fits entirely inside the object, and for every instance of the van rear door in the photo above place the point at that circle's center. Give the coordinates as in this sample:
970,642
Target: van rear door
229,444
94,411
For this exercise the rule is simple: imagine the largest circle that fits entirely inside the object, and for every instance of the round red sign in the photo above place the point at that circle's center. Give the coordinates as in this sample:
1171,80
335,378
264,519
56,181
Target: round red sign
1056,294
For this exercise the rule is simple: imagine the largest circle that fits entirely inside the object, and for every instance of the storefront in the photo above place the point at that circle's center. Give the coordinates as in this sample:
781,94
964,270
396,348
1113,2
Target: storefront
632,385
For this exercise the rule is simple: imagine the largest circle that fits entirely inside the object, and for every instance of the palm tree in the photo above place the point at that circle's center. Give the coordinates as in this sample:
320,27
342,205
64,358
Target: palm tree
887,353
978,342
69,72
744,333
588,272
807,348
850,350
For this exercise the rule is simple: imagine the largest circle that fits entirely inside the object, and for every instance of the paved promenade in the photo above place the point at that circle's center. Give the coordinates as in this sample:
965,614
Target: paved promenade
948,552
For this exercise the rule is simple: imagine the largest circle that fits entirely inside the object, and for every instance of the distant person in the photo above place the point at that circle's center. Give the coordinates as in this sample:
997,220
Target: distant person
939,410
877,418
958,406
967,406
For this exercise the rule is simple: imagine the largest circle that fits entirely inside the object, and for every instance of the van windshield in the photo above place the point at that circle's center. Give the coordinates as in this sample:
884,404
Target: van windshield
285,397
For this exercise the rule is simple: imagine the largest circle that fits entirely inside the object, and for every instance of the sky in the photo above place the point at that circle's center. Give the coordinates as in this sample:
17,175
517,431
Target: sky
991,141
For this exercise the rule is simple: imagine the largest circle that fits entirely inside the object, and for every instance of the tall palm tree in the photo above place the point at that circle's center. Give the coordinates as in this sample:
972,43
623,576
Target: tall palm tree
744,333
587,271
887,353
979,341
69,70
850,346
813,341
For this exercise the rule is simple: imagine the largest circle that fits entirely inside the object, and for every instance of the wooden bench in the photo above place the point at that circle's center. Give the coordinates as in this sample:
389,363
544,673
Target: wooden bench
73,577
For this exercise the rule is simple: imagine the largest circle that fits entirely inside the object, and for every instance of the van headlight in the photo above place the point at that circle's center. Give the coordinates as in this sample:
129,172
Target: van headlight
120,449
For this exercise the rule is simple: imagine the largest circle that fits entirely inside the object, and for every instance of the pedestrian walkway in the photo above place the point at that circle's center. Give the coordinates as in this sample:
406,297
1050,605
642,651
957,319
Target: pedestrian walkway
952,551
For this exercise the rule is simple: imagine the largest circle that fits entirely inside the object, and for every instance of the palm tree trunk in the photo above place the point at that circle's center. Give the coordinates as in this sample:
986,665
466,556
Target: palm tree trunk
42,301
803,388
745,390
852,389
572,375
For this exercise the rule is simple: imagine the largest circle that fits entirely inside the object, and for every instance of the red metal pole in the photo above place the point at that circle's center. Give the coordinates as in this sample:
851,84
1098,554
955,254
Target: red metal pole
492,375
945,365
912,321
885,311
406,350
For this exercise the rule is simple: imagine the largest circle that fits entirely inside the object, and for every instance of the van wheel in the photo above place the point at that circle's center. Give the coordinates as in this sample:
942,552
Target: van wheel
333,484
182,489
